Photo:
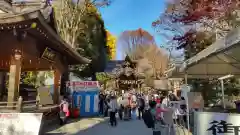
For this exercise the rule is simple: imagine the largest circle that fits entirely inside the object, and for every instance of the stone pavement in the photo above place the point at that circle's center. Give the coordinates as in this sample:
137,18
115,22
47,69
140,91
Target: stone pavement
100,126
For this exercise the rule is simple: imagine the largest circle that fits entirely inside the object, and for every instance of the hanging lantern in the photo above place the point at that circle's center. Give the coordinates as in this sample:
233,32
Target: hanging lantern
17,55
33,25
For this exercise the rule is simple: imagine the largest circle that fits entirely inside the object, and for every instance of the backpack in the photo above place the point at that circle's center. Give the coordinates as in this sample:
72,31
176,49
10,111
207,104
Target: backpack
148,119
141,102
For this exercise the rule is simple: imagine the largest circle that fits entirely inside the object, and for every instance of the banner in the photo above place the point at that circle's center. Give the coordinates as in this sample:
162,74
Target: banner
211,123
20,123
82,85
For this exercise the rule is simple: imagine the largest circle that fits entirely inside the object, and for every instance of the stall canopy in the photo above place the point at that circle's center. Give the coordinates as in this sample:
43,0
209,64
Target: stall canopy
219,59
174,72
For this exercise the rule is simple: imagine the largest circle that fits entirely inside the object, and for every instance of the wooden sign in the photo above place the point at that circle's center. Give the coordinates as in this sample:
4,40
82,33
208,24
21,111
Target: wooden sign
44,96
49,54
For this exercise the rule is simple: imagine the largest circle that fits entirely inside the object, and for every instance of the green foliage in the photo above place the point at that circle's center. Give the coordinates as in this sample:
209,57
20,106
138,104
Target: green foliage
35,78
92,43
102,77
29,78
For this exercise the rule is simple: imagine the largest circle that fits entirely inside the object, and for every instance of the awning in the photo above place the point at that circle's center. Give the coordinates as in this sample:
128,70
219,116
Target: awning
174,73
219,59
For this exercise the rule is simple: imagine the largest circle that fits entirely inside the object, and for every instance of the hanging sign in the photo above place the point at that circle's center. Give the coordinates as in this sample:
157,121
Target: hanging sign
49,54
20,123
211,123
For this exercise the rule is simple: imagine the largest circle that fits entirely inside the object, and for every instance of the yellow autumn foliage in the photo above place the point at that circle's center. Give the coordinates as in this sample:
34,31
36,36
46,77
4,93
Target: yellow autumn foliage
111,43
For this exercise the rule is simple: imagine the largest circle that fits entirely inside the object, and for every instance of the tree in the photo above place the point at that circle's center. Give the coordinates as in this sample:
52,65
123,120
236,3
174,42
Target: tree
205,10
103,78
111,44
93,43
130,40
196,24
185,18
155,62
73,26
69,16
140,46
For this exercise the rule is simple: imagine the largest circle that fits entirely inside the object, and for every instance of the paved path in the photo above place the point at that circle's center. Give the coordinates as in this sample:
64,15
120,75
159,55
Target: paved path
100,126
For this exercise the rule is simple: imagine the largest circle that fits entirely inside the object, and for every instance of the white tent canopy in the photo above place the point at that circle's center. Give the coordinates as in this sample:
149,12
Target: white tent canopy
219,59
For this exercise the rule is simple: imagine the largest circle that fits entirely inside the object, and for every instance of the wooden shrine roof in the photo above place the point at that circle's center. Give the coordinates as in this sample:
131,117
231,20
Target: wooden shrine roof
45,32
5,6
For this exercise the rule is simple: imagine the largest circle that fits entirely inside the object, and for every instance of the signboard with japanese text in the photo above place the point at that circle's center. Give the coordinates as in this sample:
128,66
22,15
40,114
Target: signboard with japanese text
49,54
20,123
211,123
83,85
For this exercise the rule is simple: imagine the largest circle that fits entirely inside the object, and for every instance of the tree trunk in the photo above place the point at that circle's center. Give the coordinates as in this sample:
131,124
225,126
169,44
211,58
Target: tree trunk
94,78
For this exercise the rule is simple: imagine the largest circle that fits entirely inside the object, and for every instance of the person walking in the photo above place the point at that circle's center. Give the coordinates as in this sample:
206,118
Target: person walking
113,107
130,106
106,106
121,107
101,104
64,111
141,106
156,111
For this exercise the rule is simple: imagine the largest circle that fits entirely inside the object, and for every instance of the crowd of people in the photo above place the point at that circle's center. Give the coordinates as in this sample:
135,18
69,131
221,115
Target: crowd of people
135,106
130,106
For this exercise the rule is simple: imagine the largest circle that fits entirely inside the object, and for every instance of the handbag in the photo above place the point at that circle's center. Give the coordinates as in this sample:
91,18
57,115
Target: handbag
62,115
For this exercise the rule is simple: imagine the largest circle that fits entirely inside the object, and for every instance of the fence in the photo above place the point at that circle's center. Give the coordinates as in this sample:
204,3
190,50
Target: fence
19,106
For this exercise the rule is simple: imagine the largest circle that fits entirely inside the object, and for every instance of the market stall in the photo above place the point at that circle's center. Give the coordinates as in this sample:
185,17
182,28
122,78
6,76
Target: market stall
84,97
221,60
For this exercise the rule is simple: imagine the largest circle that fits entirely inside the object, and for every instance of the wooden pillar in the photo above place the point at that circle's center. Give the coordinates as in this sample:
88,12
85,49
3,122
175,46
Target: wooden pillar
1,84
14,76
56,93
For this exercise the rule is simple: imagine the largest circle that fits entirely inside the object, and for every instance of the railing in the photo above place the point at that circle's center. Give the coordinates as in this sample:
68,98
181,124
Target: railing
19,106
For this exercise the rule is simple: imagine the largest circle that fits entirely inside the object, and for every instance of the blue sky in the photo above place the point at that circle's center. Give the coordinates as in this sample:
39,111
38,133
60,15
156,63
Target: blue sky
124,15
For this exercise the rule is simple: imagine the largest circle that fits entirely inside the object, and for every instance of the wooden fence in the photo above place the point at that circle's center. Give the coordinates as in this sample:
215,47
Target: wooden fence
19,106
